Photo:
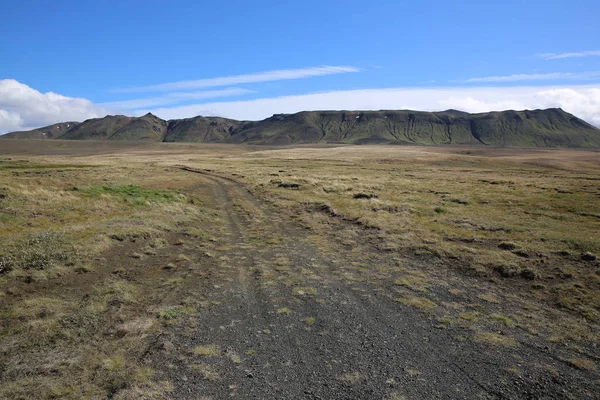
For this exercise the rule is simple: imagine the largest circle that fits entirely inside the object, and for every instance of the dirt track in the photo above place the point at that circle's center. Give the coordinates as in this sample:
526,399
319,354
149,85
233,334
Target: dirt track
291,317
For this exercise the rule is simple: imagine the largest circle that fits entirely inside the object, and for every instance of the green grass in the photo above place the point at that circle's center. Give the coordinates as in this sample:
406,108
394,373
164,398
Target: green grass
173,314
503,319
469,316
583,245
5,217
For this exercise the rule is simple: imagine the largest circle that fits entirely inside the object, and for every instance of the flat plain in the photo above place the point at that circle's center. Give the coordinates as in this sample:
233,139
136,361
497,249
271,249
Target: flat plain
133,270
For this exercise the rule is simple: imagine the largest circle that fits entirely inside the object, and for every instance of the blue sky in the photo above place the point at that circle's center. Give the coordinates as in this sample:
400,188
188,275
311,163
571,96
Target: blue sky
71,60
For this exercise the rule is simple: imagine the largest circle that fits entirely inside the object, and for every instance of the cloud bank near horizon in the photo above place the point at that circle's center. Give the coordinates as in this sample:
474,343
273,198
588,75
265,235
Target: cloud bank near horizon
22,107
582,101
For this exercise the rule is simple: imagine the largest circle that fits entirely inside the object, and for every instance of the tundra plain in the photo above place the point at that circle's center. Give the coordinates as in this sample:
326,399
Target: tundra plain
133,270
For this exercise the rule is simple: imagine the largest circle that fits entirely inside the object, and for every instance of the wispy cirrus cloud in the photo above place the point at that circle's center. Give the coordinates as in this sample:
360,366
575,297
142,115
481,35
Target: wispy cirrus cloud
576,54
268,76
536,77
174,98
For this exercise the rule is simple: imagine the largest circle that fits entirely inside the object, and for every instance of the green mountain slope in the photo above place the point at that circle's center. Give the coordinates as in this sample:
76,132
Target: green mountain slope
538,128
119,127
358,127
199,129
47,132
97,128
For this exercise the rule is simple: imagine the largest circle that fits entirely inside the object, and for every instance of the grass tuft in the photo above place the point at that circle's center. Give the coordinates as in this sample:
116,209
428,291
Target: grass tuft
207,372
506,321
422,303
40,251
496,339
583,364
304,291
209,350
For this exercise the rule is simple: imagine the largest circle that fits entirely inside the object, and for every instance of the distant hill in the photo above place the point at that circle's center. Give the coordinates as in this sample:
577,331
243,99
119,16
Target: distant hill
537,128
47,132
119,127
200,129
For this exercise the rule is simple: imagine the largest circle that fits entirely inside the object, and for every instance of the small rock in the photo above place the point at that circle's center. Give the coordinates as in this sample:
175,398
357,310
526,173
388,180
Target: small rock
365,196
289,185
507,246
521,253
507,270
167,346
538,286
528,274
588,257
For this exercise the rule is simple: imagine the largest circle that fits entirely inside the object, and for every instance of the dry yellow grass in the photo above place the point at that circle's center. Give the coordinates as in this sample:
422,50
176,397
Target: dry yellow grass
583,364
422,303
209,350
495,339
51,233
450,205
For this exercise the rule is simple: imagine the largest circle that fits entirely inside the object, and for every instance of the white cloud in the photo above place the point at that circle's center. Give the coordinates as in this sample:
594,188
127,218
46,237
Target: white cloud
22,107
269,76
535,77
10,121
577,54
173,98
584,103
580,100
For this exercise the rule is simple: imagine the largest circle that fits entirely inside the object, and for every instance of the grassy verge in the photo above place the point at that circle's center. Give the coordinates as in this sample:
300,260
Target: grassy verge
78,309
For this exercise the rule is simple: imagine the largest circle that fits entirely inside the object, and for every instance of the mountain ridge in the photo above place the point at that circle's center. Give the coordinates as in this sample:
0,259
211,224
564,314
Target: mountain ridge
551,127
